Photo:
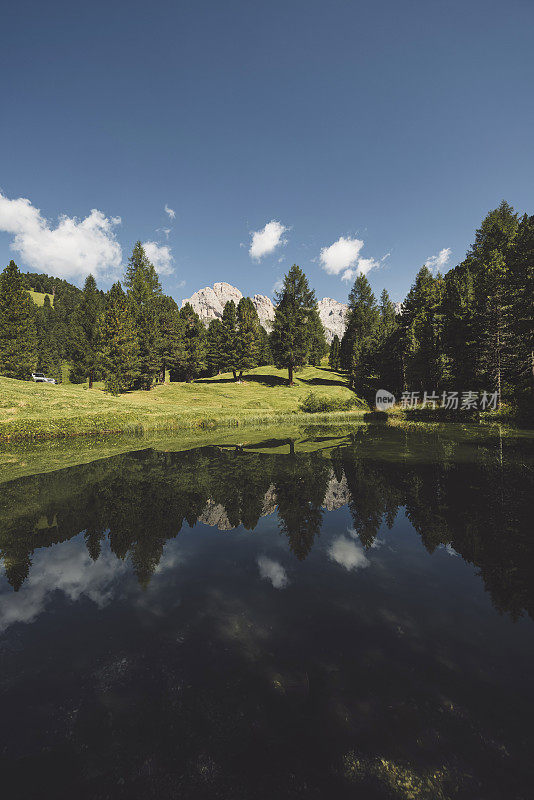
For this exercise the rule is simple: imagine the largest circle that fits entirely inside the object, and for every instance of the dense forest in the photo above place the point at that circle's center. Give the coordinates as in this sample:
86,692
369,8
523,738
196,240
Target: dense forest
129,337
470,330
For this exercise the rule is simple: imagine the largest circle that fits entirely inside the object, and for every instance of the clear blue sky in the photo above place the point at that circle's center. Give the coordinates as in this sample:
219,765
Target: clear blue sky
397,123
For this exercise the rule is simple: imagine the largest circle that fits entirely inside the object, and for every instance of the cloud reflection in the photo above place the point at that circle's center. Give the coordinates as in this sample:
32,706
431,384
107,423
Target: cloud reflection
67,568
273,571
347,553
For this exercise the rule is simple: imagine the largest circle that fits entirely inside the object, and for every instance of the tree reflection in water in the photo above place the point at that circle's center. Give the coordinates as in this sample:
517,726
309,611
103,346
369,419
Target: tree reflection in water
285,658
462,496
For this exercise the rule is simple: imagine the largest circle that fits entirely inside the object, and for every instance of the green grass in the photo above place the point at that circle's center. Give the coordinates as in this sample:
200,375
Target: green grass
30,410
39,297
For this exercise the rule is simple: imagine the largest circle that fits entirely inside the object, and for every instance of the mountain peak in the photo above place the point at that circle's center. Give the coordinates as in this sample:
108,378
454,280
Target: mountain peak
210,301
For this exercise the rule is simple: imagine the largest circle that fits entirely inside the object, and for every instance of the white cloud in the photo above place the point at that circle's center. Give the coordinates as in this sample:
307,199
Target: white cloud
343,257
273,571
367,264
439,261
73,248
347,553
267,239
160,255
170,211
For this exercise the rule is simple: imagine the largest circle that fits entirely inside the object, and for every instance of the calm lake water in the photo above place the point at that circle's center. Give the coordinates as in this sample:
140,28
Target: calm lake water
331,615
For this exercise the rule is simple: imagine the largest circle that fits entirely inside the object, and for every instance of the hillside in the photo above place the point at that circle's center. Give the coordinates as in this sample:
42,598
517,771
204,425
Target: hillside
41,410
39,297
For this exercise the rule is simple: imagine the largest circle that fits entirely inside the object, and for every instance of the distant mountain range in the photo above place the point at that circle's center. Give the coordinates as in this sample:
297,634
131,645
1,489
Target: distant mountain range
210,301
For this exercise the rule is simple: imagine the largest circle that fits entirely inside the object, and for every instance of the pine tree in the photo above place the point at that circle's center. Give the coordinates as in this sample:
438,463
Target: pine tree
266,356
48,344
494,319
170,343
422,333
248,336
214,347
461,324
481,303
144,289
356,345
119,345
85,331
385,362
290,338
362,320
497,232
229,341
318,345
521,305
333,357
193,360
18,335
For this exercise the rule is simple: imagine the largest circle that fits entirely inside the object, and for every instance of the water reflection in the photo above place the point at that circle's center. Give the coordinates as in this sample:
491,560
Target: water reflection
288,619
476,503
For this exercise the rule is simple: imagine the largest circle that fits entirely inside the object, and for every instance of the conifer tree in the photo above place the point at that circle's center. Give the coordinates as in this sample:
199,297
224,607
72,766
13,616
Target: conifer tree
460,336
318,345
422,333
478,308
385,357
214,346
290,337
495,321
193,360
333,357
48,343
85,331
144,289
119,345
521,305
362,320
266,356
18,335
229,341
248,336
170,343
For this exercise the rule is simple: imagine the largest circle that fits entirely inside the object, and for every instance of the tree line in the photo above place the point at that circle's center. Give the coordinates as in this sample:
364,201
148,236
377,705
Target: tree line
129,337
469,330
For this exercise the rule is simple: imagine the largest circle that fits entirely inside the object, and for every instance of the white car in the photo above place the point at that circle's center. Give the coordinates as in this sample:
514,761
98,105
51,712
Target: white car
40,377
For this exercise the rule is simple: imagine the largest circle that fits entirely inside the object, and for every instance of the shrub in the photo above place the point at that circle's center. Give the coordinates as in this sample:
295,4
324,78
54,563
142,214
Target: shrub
314,404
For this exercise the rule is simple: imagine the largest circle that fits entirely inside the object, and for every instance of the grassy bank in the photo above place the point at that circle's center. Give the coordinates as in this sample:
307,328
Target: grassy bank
29,410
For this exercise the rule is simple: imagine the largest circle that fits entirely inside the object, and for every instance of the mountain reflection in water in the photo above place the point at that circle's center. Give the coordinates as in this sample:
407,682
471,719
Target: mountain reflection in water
479,507
254,662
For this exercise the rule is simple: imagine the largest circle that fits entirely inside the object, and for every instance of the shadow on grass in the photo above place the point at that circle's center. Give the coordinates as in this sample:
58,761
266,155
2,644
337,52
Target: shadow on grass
214,380
338,380
264,380
324,382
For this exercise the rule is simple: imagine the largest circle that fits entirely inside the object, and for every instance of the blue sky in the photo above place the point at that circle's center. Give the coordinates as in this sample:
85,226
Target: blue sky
396,125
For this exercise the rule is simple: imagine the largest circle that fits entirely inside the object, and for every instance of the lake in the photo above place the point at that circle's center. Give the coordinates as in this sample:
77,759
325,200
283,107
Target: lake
342,613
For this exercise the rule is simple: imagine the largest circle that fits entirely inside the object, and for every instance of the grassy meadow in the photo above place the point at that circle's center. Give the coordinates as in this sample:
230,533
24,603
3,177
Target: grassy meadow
39,297
33,410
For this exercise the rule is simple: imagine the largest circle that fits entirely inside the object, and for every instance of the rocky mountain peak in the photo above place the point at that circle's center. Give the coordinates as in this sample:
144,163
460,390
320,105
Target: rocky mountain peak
210,301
